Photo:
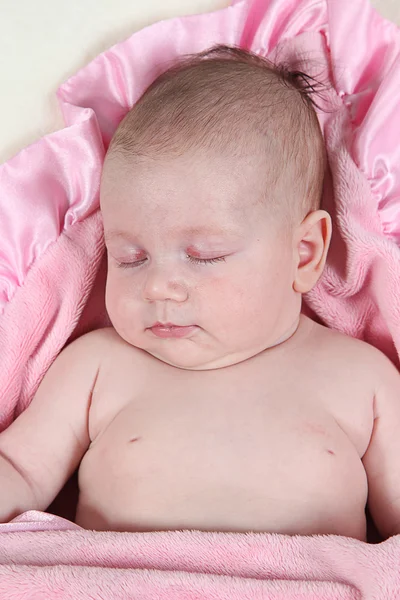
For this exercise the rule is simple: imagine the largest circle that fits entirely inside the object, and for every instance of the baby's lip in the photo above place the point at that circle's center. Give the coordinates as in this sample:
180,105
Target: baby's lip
159,324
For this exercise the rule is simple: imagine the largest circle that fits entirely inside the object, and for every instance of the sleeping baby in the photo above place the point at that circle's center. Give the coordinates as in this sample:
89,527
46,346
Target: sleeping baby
213,403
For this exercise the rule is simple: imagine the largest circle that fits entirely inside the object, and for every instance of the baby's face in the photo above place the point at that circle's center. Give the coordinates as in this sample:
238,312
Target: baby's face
163,219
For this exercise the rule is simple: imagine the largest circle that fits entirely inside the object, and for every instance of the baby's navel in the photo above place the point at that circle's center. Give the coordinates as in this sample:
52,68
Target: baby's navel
134,439
330,451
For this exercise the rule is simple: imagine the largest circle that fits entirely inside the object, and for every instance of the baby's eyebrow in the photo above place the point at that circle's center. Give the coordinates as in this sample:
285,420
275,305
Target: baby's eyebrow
192,230
207,230
114,233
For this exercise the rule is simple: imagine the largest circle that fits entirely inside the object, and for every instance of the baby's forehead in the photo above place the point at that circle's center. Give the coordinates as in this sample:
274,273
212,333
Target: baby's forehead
187,207
199,173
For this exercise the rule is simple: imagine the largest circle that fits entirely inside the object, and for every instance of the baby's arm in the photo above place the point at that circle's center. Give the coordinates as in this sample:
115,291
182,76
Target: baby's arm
42,448
382,458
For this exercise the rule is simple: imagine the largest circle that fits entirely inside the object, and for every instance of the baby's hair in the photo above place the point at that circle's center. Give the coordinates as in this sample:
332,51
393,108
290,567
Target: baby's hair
308,87
235,102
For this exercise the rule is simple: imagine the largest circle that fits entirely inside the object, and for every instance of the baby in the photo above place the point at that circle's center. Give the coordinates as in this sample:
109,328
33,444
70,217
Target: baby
213,403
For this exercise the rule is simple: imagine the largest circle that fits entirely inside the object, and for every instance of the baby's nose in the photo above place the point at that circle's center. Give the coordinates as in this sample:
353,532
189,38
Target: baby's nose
161,284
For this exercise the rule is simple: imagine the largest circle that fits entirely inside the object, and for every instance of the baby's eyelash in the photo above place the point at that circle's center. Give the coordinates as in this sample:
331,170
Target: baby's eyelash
205,260
127,265
192,259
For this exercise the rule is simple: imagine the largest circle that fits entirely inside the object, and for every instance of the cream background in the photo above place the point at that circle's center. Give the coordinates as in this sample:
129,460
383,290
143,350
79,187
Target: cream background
43,42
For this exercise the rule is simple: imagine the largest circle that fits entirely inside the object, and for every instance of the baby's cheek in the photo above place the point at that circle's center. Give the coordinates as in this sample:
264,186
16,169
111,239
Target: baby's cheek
117,300
225,296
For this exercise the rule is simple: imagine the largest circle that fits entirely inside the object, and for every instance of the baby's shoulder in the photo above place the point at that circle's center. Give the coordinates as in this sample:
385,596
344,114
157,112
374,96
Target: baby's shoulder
107,343
348,354
118,356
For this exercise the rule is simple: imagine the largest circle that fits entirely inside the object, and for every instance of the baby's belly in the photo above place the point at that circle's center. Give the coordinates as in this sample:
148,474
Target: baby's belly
289,474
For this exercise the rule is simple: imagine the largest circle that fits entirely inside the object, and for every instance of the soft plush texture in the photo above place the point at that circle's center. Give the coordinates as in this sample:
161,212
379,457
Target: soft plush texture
45,557
52,274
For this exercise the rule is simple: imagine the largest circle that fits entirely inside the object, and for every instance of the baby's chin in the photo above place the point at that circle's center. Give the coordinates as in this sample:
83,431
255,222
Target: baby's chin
184,354
184,362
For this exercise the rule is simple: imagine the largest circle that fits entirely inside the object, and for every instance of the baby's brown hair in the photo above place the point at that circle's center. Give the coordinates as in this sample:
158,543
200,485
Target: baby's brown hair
236,103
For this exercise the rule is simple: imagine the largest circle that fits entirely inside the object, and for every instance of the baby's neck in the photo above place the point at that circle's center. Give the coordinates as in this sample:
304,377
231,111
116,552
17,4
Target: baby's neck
288,334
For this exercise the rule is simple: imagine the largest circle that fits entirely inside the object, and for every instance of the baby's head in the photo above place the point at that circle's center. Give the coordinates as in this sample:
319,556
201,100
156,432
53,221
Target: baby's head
210,198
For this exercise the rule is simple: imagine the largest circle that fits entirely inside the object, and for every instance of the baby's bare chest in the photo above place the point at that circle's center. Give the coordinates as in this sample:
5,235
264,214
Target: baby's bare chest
254,409
184,447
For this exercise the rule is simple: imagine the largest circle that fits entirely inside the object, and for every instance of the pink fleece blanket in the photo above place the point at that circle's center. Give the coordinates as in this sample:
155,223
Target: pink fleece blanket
46,557
52,289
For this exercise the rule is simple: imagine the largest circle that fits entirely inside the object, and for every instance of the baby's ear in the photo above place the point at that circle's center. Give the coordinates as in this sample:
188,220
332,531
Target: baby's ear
311,243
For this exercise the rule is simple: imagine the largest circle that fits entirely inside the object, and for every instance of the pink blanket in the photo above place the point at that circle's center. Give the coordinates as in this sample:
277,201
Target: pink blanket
45,557
52,289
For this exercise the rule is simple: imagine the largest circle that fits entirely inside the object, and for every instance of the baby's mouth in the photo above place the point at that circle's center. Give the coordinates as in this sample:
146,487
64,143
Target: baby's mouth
170,330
